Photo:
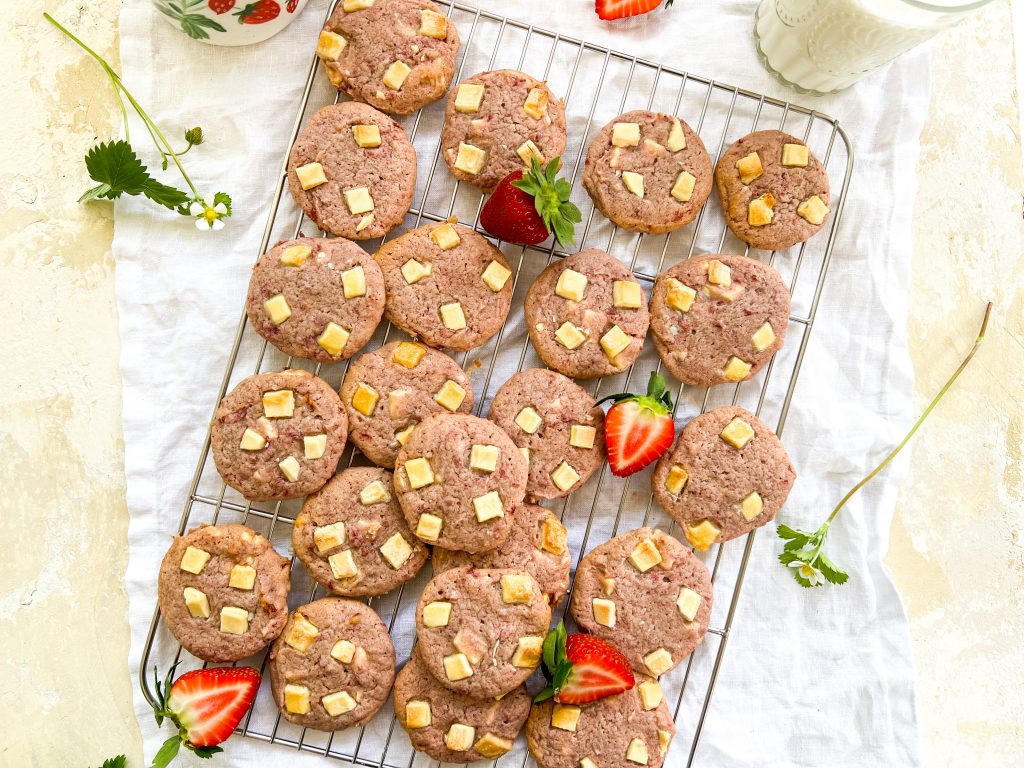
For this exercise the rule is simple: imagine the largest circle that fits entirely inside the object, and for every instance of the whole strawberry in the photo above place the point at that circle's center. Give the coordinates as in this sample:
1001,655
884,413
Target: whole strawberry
609,10
582,668
205,705
529,205
259,12
638,428
221,6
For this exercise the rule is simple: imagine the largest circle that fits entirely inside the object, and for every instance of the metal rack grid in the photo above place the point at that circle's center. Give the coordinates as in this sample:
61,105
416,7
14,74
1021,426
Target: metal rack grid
623,82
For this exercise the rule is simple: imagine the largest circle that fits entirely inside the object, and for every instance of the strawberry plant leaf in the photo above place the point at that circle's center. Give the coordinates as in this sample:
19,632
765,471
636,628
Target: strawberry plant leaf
114,762
167,752
205,752
832,572
119,171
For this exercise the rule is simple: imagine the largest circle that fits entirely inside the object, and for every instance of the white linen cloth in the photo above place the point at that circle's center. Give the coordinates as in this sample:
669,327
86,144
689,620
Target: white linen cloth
810,677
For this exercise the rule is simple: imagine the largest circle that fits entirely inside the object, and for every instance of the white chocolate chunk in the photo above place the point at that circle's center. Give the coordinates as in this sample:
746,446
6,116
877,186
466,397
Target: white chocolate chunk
679,296
604,611
688,603
314,446
737,433
615,342
751,506
488,507
484,458
338,703
233,620
569,336
343,651
289,467
625,134
195,559
469,97
457,667
278,404
528,652
329,46
470,643
653,147
571,285
296,699
428,527
417,714
364,222
813,210
437,614
682,190
343,566
311,175
795,155
627,295
527,151
358,200
565,717
394,76
525,453
759,211
749,167
365,398
295,255
396,550
445,237
719,273
470,159
676,137
459,737
702,535
197,603
536,105
736,369
491,746
676,479
277,309
413,271
763,337
553,536
582,436
496,275
664,739
242,577
636,752
327,537
353,282
634,182
408,354
608,586
529,420
452,316
419,472
402,436
650,694
645,555
373,493
333,339
351,6
586,762
564,476
433,24
658,661
451,395
517,588
366,136
302,633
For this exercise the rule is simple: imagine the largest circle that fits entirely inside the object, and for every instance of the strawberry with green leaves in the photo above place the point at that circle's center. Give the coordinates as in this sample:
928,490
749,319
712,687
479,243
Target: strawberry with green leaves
638,428
529,205
582,668
205,705
610,10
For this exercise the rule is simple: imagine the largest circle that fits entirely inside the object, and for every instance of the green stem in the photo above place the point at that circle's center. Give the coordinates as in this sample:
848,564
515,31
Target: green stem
920,421
115,79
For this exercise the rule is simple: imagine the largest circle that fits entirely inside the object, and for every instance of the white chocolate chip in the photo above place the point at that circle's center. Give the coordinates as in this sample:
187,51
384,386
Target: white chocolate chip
413,271
338,703
625,134
571,285
634,183
813,210
688,603
311,175
582,436
233,620
330,46
615,342
451,395
488,507
289,467
795,155
679,296
682,190
658,661
459,737
496,275
763,337
437,614
277,309
445,237
736,369
242,577
529,420
343,566
604,611
353,282
197,603
428,527
333,339
536,105
327,537
676,137
627,295
396,550
484,458
452,316
374,493
394,76
419,472
366,136
278,404
517,588
469,97
569,336
470,159
302,633
749,167
565,717
737,433
364,399
433,24
417,714
645,555
564,477
457,667
296,699
358,200
314,446
252,440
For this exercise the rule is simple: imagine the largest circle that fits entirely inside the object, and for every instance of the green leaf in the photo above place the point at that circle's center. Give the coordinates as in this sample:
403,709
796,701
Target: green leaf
164,195
167,752
114,762
544,695
788,557
205,752
223,197
785,532
832,572
100,190
115,166
553,649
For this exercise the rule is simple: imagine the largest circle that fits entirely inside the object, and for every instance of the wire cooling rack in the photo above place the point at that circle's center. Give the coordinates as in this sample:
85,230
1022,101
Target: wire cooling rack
596,84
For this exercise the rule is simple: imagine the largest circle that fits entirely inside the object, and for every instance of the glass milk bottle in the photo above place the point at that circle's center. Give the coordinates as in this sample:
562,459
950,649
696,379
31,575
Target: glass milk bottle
820,46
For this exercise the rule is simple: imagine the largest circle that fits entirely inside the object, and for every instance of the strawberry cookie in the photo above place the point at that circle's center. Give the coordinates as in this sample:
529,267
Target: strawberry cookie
398,55
497,122
352,170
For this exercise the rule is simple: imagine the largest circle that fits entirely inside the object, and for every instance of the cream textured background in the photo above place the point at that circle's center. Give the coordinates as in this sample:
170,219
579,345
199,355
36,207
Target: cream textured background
956,552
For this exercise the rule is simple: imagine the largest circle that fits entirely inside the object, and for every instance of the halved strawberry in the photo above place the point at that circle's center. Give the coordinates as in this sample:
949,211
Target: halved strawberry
582,668
609,10
529,205
204,705
638,428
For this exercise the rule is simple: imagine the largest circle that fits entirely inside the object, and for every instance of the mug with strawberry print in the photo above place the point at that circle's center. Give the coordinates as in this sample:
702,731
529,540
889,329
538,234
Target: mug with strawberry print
230,22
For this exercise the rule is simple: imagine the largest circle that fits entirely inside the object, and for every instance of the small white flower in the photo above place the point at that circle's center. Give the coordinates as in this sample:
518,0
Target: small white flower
208,214
809,572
